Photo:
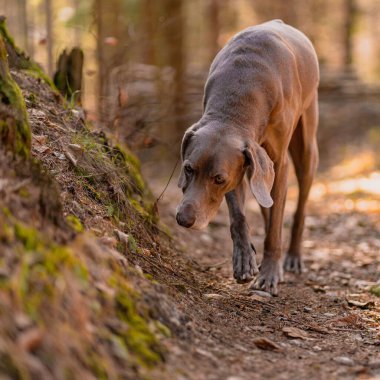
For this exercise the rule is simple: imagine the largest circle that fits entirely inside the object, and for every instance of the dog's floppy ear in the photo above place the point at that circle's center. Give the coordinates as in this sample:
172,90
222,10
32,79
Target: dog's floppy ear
260,174
185,143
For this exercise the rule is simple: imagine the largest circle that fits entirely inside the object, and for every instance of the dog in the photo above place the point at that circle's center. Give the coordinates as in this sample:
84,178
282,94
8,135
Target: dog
260,102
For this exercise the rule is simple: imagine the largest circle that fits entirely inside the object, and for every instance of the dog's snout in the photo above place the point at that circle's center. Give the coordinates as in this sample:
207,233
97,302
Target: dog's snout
186,216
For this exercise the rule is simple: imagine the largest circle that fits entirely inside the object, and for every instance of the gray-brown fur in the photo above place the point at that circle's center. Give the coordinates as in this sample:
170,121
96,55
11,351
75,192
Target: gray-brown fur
260,103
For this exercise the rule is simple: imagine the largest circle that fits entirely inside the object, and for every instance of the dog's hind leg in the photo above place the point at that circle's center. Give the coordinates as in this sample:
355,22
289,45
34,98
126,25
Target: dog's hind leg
304,152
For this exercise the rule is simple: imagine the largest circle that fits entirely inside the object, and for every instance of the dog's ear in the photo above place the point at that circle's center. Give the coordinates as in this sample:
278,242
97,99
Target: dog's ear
260,173
185,143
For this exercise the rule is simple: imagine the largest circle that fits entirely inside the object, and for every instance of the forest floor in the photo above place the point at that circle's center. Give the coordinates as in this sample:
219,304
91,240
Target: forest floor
91,287
325,323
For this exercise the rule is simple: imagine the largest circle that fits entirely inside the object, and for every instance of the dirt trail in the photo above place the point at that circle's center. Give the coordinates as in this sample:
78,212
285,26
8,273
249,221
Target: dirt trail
331,303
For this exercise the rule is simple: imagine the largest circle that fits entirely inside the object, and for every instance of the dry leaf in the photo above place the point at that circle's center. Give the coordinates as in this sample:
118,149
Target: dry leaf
42,148
60,156
71,158
361,305
261,328
318,328
294,332
41,139
31,339
266,344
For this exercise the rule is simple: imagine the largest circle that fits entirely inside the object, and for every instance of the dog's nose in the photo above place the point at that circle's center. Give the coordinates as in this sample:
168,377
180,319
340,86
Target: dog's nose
186,216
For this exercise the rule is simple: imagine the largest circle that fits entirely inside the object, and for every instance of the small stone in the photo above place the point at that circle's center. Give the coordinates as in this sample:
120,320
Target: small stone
206,238
344,360
22,321
307,309
108,241
317,348
261,293
213,296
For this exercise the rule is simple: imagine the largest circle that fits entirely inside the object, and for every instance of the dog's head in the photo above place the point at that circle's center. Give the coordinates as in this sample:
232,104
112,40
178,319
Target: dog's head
214,164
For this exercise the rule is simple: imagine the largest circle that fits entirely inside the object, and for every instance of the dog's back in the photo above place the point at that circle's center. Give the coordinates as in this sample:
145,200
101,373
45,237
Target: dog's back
266,65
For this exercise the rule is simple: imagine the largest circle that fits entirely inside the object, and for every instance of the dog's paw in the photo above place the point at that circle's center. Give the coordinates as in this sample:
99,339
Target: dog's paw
270,275
244,264
293,263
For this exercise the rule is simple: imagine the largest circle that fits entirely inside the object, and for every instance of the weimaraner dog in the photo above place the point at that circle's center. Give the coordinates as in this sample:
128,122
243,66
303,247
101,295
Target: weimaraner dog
260,102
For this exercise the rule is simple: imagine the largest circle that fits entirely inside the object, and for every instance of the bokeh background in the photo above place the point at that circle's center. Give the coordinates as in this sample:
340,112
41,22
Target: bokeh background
146,61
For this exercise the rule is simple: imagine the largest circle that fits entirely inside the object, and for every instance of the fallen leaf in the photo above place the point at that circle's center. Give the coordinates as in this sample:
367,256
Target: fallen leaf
266,344
41,139
260,293
71,158
42,148
31,339
75,147
256,297
112,41
60,156
123,237
294,332
261,328
318,328
361,305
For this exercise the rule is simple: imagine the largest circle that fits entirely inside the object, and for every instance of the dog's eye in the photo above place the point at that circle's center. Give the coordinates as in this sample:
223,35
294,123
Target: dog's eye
188,169
219,179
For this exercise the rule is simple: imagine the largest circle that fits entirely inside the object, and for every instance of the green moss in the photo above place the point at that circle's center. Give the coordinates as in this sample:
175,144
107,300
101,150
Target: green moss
132,244
75,223
139,339
15,131
6,232
19,60
23,192
32,99
375,290
92,193
28,236
124,157
164,330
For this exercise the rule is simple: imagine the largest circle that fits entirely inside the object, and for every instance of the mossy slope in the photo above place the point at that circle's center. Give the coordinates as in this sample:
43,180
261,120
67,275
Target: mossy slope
14,126
70,302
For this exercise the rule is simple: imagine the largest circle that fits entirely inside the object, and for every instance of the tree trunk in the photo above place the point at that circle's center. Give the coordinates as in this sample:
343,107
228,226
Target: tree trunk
112,36
148,32
350,14
173,33
24,24
214,27
49,37
68,77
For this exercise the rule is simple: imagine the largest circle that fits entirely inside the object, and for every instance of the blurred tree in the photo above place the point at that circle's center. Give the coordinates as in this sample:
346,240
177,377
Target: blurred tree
173,34
110,17
49,37
148,21
23,24
213,16
350,18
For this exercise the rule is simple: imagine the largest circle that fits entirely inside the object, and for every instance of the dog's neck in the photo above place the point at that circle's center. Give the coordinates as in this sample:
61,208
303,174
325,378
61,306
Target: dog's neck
247,129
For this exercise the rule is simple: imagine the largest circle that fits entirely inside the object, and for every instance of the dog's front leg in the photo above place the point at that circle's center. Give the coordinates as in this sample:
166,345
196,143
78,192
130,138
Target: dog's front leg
271,272
244,259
